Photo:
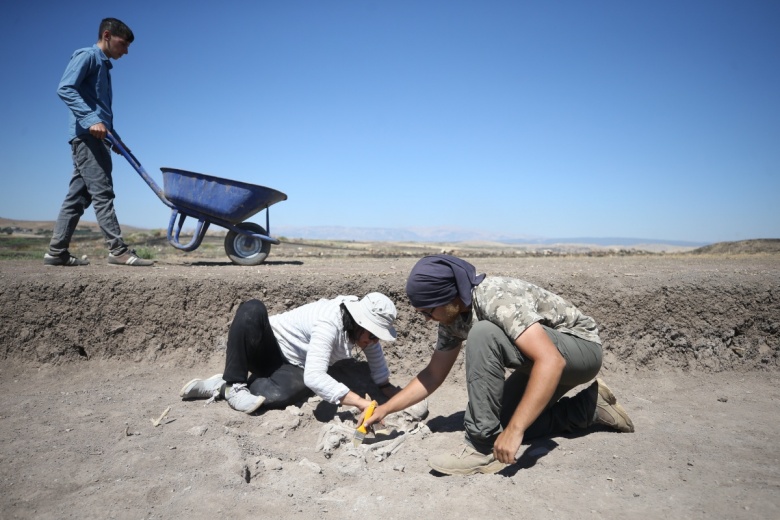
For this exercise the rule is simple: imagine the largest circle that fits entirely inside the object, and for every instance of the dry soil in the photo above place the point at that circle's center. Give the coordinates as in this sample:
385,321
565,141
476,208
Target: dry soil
92,355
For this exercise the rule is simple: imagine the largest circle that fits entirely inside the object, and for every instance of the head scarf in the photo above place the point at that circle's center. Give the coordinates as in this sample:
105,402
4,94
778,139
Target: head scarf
437,279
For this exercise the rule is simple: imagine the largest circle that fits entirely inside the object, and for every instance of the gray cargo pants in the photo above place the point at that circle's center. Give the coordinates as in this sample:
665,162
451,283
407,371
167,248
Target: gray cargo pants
91,183
494,398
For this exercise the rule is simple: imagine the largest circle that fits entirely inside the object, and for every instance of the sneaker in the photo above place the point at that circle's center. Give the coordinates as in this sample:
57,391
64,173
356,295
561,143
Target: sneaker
64,258
240,398
203,388
128,258
608,411
465,460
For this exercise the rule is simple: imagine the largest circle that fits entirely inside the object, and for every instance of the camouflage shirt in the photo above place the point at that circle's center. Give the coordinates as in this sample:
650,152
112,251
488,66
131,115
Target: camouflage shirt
514,305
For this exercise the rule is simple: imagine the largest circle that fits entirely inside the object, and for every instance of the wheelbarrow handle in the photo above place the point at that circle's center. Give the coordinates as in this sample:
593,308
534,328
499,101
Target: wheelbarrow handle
116,143
136,164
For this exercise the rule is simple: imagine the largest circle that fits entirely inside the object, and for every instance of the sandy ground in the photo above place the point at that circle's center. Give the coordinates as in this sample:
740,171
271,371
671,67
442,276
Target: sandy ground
92,355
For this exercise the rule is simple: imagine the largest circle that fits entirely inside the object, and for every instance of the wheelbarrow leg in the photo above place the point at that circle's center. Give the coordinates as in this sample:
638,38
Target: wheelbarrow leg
197,237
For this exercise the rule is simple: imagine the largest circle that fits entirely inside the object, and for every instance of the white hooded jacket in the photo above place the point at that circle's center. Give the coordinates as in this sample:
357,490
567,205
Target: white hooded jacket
312,336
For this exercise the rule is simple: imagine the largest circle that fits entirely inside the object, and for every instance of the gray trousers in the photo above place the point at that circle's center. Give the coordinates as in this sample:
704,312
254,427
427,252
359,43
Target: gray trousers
494,398
91,183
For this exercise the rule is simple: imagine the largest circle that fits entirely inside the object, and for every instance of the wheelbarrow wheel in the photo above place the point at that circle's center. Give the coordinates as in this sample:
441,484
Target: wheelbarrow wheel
245,250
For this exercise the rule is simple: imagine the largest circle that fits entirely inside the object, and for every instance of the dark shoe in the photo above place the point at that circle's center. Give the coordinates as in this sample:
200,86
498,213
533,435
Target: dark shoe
128,258
609,412
465,460
64,258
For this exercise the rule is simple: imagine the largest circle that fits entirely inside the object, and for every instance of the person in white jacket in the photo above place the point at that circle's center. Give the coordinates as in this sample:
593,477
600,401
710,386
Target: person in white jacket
279,360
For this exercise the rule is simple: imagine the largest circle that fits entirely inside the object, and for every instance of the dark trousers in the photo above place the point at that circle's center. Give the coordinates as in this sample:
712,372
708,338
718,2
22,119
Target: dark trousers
494,398
254,358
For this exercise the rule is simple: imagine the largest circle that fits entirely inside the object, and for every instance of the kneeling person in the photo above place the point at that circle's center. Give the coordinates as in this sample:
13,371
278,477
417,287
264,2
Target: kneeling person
507,323
275,361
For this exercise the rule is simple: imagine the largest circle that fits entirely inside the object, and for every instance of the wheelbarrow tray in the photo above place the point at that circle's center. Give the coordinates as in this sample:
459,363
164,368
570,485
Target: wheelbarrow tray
218,198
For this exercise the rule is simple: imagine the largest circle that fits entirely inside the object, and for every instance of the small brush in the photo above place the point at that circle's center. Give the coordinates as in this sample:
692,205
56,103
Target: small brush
360,432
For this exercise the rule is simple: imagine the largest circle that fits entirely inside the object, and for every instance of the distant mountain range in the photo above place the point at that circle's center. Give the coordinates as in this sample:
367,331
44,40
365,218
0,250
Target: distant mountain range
412,234
449,234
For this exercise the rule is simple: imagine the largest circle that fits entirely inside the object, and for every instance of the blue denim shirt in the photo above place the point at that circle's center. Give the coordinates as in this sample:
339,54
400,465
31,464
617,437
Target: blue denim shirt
86,88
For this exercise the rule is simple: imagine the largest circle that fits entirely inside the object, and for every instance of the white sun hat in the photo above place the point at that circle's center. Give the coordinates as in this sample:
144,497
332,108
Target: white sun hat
375,313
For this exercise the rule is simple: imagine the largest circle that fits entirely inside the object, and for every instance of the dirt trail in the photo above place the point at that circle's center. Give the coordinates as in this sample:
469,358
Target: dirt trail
692,347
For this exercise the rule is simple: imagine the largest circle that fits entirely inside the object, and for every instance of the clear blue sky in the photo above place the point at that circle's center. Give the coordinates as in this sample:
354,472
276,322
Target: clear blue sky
657,120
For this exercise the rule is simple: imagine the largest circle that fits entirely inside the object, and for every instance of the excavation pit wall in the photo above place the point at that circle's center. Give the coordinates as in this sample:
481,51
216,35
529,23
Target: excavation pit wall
686,313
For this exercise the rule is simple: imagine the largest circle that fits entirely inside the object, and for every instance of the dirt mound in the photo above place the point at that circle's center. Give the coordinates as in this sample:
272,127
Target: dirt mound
760,245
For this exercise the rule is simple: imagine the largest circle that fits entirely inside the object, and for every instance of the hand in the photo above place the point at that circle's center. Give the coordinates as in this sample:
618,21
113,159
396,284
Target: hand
363,404
98,130
377,417
361,418
507,444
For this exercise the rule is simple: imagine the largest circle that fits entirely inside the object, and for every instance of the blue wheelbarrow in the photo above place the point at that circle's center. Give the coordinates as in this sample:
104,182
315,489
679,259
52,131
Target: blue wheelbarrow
213,200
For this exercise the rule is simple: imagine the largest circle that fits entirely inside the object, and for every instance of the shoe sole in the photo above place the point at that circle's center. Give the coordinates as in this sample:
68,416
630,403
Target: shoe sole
609,397
493,467
193,381
260,401
59,263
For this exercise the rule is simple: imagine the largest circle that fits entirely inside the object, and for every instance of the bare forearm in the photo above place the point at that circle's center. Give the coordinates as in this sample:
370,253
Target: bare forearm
418,389
548,365
540,389
426,382
410,395
352,399
390,390
543,381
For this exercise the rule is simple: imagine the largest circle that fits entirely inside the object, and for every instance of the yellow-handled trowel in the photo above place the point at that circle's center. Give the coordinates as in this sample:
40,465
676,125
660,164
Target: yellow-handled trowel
360,432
